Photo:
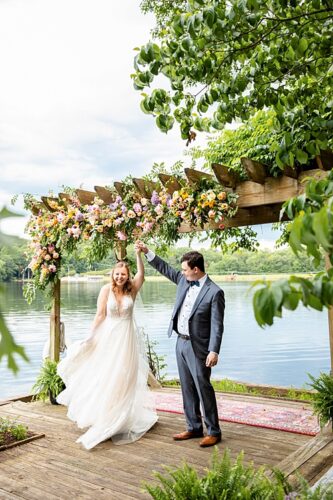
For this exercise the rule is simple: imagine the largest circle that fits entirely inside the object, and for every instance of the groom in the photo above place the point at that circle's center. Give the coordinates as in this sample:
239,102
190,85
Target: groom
197,319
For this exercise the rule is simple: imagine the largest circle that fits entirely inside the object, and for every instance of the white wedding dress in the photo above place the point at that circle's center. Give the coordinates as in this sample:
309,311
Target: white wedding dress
106,380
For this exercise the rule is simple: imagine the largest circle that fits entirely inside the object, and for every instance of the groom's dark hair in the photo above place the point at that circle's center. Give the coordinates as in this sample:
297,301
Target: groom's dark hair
194,259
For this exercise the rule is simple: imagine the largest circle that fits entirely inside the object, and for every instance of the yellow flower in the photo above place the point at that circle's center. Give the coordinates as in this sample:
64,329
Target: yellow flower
222,196
203,196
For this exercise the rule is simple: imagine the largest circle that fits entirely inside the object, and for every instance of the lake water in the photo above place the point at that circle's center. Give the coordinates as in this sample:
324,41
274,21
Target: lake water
279,355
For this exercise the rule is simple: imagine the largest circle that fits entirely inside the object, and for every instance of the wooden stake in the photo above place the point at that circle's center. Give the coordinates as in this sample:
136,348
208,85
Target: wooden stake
330,318
55,323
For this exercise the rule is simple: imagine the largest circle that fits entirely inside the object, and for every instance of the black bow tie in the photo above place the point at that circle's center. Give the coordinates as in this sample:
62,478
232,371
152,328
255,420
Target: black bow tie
194,283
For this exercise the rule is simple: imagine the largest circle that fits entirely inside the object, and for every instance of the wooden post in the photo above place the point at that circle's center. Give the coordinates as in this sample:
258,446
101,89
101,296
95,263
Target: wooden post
55,323
330,318
120,250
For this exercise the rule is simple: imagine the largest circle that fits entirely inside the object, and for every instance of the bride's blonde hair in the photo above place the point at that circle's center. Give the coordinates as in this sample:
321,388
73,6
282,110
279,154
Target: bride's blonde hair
128,285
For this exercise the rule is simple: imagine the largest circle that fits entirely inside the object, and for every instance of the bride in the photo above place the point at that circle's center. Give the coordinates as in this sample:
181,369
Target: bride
106,375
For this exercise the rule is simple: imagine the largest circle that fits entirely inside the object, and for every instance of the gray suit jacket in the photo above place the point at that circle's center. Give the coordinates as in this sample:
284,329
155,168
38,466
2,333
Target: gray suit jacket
206,320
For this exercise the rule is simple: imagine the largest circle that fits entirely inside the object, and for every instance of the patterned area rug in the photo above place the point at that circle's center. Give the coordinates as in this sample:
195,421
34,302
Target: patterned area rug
299,420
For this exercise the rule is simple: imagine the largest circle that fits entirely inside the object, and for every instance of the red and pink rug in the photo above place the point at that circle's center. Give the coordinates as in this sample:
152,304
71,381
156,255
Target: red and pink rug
297,419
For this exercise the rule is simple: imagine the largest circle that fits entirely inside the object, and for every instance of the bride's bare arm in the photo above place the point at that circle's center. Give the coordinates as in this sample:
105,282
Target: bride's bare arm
101,309
140,273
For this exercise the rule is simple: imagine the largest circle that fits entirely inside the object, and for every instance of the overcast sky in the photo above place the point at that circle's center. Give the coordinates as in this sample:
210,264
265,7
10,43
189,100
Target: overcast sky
69,114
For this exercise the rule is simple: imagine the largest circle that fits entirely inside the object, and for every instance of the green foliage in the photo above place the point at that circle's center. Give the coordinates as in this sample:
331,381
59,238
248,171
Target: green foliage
229,481
156,362
226,60
310,233
322,400
8,346
48,381
257,139
9,428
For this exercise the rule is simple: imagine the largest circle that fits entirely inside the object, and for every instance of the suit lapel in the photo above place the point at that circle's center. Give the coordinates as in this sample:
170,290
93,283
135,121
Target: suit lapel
180,300
201,295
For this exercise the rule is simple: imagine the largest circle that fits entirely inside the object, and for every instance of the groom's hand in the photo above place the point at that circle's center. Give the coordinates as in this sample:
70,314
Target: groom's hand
139,245
212,359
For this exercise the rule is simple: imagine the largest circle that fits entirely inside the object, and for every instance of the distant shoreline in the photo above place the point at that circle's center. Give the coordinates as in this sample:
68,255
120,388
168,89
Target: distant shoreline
234,277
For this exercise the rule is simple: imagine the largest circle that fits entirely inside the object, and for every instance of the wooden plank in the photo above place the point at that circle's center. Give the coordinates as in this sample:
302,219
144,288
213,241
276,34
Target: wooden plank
294,461
256,171
272,190
225,176
195,176
145,187
170,182
65,198
37,207
325,160
105,194
51,203
244,217
119,186
85,197
55,322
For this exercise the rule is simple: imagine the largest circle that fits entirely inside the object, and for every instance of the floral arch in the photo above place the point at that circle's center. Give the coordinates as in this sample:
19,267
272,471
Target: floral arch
161,208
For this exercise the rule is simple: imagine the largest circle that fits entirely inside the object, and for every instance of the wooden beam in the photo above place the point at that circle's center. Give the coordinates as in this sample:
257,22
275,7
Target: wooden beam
105,194
325,159
52,204
273,190
37,207
65,198
256,172
145,187
291,172
195,176
244,217
120,250
170,182
303,177
55,323
119,186
225,176
86,197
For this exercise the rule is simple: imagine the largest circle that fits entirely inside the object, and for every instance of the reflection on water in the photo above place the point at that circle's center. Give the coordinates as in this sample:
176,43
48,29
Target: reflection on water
279,355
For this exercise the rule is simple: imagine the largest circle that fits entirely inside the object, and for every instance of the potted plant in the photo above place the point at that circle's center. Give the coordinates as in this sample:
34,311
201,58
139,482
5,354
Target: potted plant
48,384
322,401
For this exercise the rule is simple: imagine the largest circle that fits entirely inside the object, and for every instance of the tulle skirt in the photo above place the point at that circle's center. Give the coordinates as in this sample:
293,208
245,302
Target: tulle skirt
106,385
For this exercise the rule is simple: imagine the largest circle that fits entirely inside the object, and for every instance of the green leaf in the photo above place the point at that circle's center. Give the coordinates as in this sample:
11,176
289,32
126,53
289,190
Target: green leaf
302,45
301,156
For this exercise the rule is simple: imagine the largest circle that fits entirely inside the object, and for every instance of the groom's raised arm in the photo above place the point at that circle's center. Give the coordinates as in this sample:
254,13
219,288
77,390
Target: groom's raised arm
160,265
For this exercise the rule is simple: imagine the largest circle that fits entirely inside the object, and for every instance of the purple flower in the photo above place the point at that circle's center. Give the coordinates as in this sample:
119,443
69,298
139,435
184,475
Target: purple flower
113,206
118,199
155,199
137,208
79,217
123,208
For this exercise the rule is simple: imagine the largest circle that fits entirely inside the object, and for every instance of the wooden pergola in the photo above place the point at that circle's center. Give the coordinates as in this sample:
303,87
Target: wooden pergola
260,199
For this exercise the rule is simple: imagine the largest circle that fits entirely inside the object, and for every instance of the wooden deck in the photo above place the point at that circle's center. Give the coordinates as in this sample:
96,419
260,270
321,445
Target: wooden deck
56,467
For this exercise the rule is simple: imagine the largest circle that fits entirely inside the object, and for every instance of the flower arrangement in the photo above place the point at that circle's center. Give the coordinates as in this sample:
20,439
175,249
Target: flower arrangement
127,218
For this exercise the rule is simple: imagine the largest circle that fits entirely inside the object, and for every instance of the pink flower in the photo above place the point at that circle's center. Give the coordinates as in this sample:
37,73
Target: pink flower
52,268
121,235
50,248
131,214
47,257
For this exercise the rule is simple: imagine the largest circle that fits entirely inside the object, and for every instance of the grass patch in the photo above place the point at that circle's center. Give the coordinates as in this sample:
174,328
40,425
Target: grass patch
227,385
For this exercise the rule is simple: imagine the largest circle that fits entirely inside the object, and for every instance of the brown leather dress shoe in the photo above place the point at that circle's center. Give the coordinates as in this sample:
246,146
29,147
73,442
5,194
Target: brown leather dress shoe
187,435
209,441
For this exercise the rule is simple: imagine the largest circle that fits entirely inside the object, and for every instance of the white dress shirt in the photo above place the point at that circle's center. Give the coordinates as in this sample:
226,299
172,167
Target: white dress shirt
188,303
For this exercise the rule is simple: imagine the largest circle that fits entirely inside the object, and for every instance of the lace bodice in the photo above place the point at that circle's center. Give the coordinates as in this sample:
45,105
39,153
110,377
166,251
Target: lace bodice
123,310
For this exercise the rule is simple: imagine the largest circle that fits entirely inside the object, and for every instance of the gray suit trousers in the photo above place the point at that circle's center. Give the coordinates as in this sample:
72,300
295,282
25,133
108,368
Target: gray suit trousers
196,389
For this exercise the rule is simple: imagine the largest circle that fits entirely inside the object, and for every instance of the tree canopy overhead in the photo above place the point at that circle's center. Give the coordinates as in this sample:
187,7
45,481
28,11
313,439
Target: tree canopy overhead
223,61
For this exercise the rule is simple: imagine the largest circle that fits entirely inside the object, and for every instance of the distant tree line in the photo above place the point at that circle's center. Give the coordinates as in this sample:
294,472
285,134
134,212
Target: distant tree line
13,261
